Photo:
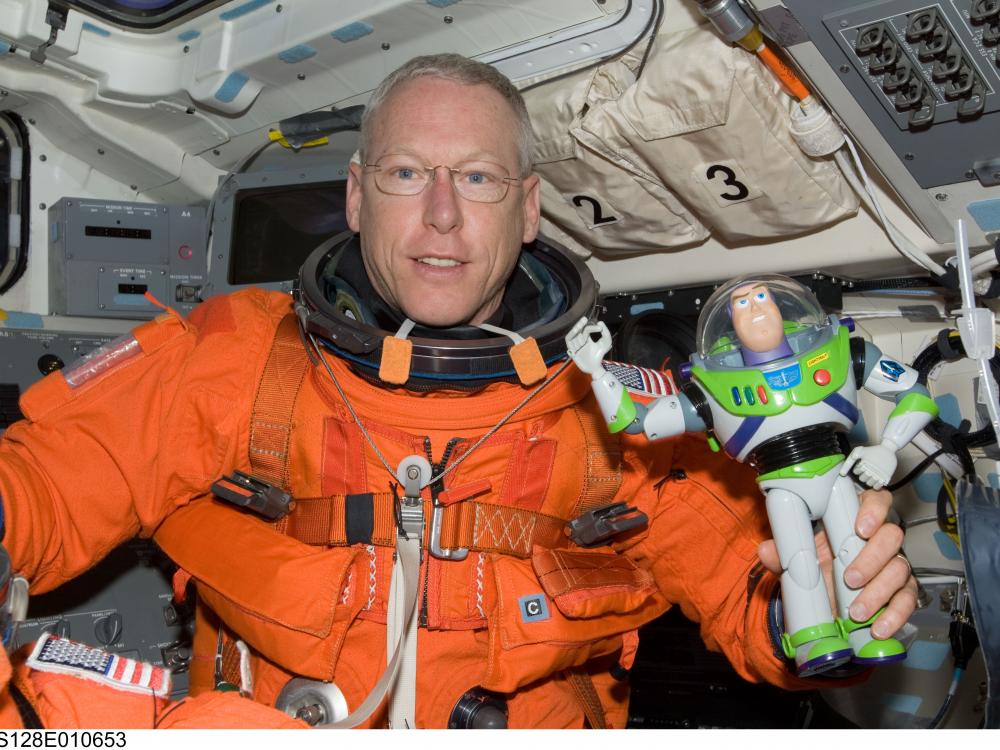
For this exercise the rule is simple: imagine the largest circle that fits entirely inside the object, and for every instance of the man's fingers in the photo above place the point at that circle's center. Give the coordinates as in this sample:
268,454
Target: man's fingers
874,508
768,554
901,606
876,555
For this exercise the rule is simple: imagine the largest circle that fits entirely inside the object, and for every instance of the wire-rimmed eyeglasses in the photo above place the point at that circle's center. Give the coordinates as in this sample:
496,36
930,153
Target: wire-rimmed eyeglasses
479,181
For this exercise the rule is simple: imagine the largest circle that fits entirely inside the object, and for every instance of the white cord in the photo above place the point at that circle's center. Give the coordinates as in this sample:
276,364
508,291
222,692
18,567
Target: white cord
866,192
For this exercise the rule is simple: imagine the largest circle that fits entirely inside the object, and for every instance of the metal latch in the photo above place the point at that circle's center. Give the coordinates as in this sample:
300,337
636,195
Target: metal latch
596,527
414,472
253,494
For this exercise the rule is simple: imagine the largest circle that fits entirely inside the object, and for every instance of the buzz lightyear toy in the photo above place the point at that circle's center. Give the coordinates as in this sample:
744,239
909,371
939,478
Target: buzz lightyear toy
774,381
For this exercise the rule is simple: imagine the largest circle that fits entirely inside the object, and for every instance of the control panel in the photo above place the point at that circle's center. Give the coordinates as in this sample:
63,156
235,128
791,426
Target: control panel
123,605
29,353
925,74
926,66
105,256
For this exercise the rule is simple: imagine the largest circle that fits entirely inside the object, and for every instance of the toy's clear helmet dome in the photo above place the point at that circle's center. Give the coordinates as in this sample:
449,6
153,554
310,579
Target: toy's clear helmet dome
804,321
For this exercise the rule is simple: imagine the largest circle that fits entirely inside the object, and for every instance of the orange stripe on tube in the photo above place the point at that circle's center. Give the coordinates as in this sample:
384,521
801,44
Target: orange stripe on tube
785,74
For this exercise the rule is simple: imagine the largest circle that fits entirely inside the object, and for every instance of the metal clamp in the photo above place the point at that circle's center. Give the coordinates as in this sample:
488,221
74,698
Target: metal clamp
254,494
413,473
596,527
443,553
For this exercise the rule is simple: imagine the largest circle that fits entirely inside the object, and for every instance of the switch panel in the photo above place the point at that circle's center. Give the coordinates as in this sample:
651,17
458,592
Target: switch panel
926,76
928,64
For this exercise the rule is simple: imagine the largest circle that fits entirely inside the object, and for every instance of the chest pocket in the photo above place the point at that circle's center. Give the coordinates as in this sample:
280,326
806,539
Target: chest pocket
562,608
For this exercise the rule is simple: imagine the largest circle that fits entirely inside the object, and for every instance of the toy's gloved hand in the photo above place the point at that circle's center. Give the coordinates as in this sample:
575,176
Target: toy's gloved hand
879,568
584,350
873,464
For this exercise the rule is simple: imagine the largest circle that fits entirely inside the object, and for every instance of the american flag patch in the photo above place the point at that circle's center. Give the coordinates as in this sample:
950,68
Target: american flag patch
642,380
63,656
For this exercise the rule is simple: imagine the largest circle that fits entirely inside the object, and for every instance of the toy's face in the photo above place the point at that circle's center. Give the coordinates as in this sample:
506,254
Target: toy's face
756,318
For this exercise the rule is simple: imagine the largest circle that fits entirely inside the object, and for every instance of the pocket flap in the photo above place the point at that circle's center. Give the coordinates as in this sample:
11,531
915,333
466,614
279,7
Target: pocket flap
586,584
685,86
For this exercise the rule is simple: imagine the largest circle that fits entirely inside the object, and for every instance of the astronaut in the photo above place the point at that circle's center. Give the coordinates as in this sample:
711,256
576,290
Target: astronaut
416,445
774,382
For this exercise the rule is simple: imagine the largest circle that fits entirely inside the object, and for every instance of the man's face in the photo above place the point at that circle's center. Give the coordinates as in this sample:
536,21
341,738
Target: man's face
439,258
756,318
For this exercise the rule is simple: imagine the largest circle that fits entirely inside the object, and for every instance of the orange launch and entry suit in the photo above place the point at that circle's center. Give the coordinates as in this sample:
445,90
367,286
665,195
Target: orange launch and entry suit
112,450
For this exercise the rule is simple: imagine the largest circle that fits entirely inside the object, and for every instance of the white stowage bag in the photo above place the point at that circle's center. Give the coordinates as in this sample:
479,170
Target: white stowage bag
699,143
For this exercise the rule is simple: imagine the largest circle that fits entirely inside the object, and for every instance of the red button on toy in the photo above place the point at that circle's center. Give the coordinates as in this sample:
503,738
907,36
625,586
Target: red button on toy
186,252
822,377
762,394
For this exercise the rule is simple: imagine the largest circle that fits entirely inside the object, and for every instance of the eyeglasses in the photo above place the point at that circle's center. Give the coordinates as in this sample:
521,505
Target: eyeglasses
478,181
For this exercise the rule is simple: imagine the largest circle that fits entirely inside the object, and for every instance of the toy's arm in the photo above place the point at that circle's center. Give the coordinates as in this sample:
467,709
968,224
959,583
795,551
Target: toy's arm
616,405
886,378
667,416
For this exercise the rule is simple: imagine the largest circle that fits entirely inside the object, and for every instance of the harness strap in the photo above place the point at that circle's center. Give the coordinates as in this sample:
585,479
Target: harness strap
271,421
29,716
588,699
337,521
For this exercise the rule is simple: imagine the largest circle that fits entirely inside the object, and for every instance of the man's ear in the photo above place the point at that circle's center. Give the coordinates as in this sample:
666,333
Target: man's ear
354,196
531,204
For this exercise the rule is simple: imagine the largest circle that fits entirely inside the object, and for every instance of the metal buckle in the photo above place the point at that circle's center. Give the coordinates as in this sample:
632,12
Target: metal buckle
442,553
413,473
245,491
597,527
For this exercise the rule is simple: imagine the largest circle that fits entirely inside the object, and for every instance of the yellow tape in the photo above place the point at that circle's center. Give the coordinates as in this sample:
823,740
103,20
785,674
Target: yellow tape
276,135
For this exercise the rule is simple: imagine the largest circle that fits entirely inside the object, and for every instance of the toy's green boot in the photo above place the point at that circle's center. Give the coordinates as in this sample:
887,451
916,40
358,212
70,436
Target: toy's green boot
868,650
817,649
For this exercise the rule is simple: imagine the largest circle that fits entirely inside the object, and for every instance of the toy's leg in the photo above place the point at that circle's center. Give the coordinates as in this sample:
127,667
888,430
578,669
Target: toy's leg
839,519
812,637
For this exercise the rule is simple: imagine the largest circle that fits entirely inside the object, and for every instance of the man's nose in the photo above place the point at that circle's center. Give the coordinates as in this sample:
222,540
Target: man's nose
442,209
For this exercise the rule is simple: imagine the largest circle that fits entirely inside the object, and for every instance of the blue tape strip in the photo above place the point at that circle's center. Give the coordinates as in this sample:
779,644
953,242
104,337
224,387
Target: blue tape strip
298,53
905,704
442,3
231,87
947,547
636,309
4,47
926,655
23,320
928,485
993,480
88,26
352,31
948,405
242,10
986,214
187,36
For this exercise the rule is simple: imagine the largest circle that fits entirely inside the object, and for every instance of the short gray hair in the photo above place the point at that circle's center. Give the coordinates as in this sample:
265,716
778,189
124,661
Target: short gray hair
462,70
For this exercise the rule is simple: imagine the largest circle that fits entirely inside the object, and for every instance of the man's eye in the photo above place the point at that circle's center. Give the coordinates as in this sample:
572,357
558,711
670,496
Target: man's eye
761,296
403,173
478,178
743,302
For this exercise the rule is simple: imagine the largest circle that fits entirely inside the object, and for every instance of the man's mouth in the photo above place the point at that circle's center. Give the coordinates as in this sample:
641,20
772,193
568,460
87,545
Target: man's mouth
439,262
758,318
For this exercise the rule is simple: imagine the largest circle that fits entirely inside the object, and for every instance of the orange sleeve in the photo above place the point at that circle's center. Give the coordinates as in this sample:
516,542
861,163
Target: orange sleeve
93,465
706,520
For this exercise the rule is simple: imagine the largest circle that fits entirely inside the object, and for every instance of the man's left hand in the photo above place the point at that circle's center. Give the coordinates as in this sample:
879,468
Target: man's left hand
885,575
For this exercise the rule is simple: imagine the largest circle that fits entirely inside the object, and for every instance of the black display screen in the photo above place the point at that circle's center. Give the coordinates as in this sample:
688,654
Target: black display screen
124,233
274,229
